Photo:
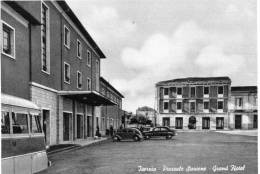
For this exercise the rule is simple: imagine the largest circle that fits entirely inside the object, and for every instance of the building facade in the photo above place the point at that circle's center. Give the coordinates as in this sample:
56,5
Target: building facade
193,103
243,107
48,57
111,115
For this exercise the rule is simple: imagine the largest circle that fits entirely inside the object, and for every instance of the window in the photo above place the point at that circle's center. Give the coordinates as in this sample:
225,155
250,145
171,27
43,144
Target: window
66,72
220,104
97,75
45,39
220,123
192,92
166,105
66,37
192,106
206,105
179,105
206,90
35,124
79,79
5,123
220,90
8,40
88,58
178,122
179,91
166,91
239,102
79,49
88,84
19,123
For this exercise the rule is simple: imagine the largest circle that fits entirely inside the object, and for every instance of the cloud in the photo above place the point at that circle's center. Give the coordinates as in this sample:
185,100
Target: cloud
189,51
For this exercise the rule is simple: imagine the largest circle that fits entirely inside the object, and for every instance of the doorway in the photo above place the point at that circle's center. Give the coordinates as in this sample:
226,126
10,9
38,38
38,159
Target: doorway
166,121
46,125
220,123
178,123
88,126
205,123
255,122
192,122
238,121
66,126
79,126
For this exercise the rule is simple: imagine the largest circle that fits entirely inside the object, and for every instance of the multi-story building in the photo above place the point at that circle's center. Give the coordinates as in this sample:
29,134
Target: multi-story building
48,57
111,115
147,112
243,107
193,103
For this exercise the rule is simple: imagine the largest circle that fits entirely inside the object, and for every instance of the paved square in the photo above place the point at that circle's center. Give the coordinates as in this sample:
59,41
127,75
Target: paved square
199,150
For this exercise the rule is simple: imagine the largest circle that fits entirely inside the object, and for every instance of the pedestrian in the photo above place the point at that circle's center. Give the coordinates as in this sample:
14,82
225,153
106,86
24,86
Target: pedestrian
111,130
97,132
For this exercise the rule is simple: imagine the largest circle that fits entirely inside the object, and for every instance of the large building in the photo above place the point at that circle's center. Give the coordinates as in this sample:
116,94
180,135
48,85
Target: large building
49,58
147,112
193,103
243,107
111,115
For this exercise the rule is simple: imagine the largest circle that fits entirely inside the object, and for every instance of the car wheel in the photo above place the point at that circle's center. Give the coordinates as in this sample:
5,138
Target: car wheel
147,137
136,138
168,137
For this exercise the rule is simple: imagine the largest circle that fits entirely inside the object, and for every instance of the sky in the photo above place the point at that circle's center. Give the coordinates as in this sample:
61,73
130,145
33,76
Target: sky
154,40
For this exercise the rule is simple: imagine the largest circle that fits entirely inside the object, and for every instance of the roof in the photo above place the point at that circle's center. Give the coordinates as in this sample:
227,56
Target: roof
77,22
145,108
17,101
196,79
251,89
28,16
110,86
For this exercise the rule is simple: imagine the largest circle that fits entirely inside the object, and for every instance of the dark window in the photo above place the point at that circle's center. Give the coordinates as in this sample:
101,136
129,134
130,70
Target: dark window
206,105
166,91
178,122
5,123
35,124
6,39
219,123
220,90
20,123
220,104
166,105
44,38
67,73
179,91
66,36
192,107
179,105
89,58
192,91
79,49
239,102
89,86
206,90
79,79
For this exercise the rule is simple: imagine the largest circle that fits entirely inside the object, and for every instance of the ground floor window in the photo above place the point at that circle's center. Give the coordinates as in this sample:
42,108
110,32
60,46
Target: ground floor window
67,126
192,122
178,122
166,121
220,123
255,122
205,123
238,121
80,126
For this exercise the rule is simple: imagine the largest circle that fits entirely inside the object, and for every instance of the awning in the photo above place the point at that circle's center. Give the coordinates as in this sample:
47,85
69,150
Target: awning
17,101
88,97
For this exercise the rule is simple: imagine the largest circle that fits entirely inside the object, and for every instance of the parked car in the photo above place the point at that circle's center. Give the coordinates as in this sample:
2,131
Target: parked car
128,133
162,131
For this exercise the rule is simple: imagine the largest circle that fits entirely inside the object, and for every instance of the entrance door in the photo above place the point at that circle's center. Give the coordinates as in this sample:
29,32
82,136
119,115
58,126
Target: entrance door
88,126
66,126
79,126
46,125
220,123
192,122
205,123
178,122
255,122
238,121
166,121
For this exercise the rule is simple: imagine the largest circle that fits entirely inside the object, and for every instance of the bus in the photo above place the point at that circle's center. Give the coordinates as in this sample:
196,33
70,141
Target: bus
23,142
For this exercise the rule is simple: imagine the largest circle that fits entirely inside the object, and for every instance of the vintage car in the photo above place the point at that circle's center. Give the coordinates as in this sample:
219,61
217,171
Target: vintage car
128,133
159,132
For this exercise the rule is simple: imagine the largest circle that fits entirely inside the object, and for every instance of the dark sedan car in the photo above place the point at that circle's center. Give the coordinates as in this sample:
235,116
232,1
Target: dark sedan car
159,132
128,133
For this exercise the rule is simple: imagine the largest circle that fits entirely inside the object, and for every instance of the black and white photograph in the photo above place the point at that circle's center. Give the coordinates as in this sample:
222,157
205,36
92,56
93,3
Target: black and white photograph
129,86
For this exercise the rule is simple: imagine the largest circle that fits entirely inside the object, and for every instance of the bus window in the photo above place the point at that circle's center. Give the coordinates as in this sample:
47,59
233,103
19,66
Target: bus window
35,124
20,123
5,123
